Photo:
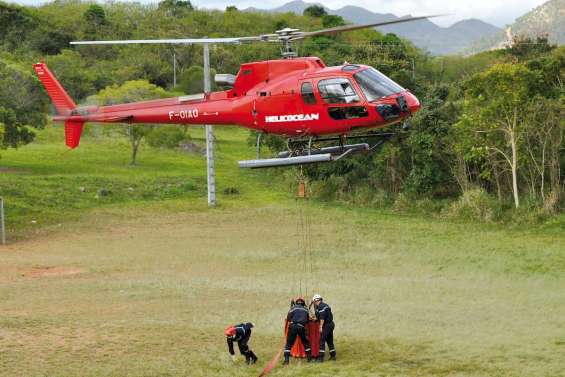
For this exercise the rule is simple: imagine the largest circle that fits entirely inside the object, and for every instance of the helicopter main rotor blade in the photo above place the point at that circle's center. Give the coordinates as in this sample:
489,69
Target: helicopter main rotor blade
170,41
284,35
341,29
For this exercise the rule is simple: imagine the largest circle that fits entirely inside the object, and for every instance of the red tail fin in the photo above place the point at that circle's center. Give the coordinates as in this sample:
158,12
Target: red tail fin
62,102
73,130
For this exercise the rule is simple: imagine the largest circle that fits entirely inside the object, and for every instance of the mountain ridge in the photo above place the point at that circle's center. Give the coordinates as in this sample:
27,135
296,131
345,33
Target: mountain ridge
425,34
547,19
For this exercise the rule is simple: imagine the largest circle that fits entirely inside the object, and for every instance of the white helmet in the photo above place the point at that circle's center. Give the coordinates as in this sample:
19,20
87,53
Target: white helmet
317,297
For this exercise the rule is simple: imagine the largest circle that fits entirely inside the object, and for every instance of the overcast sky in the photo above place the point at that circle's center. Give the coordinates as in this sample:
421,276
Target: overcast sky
497,12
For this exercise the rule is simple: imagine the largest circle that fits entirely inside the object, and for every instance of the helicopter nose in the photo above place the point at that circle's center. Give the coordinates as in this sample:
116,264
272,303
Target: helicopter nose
412,102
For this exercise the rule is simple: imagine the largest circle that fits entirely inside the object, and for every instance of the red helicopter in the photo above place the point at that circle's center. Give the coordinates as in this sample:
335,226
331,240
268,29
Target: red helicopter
299,98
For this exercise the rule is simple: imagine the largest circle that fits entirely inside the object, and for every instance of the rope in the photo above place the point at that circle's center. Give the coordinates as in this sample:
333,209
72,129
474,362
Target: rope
309,248
304,246
304,238
299,233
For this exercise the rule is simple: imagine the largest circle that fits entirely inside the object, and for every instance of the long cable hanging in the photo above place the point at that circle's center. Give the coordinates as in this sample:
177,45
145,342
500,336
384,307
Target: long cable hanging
309,250
300,230
300,240
304,237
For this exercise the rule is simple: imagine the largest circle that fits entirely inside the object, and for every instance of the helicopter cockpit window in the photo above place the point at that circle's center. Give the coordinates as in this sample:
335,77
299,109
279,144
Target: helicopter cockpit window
338,90
375,85
307,92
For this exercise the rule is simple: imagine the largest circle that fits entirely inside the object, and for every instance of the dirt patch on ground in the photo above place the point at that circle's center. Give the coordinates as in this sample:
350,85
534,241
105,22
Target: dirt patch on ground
50,271
12,170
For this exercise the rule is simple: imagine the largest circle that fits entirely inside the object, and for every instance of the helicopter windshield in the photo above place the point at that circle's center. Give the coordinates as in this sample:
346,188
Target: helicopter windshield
375,85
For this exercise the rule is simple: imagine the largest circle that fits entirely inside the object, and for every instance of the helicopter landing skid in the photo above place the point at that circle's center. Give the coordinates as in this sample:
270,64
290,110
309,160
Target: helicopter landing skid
301,151
327,154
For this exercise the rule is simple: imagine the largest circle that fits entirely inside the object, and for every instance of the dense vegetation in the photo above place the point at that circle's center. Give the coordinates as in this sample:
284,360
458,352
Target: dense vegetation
491,132
489,137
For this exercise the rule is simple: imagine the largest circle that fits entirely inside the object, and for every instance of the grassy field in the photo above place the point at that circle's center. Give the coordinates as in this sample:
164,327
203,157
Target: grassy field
44,180
144,285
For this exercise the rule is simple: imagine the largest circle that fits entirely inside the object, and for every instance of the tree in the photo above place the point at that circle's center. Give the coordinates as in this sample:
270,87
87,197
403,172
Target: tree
191,80
13,133
316,11
331,20
15,24
130,91
95,18
495,113
167,136
176,8
74,74
50,42
429,143
95,15
22,105
524,47
544,138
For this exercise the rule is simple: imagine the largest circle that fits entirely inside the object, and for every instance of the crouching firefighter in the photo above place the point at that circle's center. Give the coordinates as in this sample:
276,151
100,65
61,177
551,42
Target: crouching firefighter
324,315
297,318
240,334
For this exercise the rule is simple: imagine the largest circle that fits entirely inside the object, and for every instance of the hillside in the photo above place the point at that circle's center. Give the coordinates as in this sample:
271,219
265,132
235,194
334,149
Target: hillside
424,34
547,19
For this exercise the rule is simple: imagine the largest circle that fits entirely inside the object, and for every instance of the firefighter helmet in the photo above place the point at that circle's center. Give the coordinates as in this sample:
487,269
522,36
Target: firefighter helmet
229,331
300,301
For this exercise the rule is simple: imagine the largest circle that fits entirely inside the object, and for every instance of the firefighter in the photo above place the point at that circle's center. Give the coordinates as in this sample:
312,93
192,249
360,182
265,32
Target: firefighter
240,334
324,315
297,318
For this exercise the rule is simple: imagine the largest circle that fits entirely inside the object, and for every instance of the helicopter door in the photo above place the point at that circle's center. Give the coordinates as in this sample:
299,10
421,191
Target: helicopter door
307,93
342,101
309,105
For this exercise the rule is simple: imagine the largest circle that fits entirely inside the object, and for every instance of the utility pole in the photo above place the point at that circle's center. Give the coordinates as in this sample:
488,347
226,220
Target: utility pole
174,69
210,169
2,226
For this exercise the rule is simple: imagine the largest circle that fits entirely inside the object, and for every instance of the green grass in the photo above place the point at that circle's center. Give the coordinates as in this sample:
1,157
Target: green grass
148,292
142,282
41,182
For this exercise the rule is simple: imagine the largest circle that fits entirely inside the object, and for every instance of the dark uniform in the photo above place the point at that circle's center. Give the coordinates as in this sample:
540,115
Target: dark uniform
241,334
324,313
297,318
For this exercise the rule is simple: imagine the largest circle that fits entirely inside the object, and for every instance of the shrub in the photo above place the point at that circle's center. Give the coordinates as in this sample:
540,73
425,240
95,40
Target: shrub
366,196
553,202
332,188
231,191
475,204
402,203
166,137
